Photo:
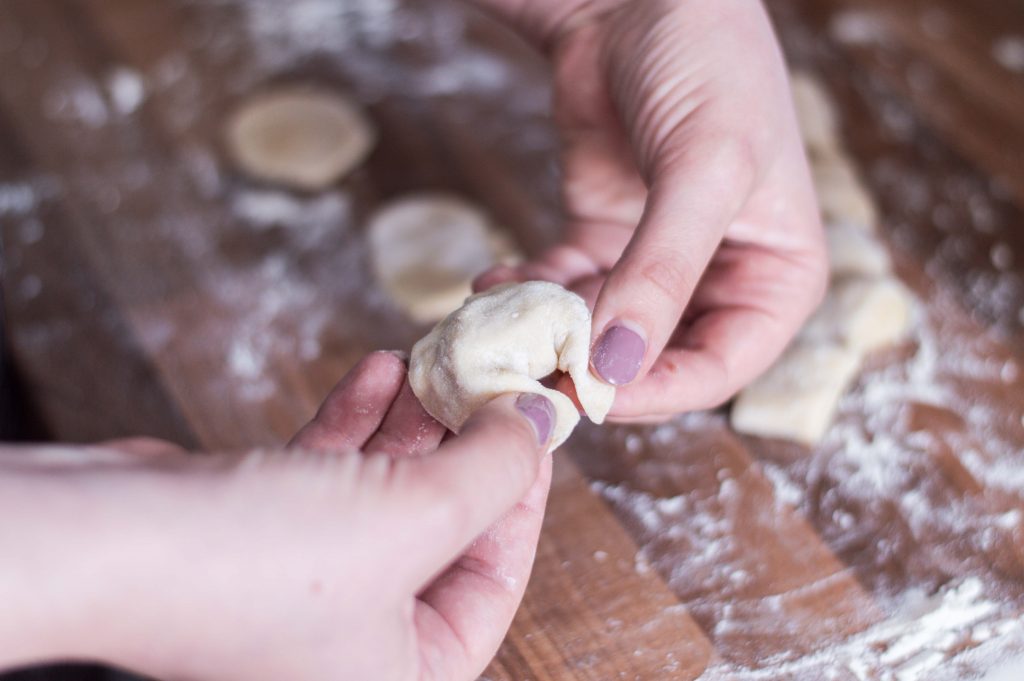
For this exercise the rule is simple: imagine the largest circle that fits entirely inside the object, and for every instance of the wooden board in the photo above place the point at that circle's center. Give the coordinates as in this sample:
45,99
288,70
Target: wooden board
152,290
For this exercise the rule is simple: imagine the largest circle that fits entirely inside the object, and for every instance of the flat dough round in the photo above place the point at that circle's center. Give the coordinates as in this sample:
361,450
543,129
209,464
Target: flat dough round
427,248
503,341
299,137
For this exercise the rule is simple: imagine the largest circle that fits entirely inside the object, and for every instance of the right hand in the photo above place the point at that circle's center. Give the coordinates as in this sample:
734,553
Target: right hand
691,223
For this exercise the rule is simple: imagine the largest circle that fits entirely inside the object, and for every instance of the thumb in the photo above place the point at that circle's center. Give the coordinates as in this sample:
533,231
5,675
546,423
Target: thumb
476,478
694,195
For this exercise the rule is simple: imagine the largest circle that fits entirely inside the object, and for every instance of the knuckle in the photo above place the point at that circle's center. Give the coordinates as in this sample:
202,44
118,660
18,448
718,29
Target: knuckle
671,276
438,498
450,509
730,161
726,158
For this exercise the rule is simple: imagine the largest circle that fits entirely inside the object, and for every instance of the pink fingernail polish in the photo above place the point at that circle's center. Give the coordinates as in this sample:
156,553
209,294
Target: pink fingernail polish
618,355
540,412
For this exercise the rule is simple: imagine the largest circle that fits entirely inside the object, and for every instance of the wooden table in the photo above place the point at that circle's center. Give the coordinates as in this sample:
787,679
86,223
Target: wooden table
152,290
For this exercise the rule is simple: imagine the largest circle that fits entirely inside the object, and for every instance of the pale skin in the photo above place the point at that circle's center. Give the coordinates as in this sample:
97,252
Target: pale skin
370,550
691,219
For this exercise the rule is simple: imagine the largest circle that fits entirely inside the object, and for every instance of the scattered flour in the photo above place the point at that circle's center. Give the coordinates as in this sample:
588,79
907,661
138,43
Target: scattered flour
126,89
77,100
285,321
1012,670
17,199
857,27
1009,53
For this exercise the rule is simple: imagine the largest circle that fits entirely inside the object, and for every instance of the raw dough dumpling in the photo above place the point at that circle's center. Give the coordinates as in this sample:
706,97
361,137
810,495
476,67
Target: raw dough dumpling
427,248
797,398
854,252
299,137
503,341
863,314
842,196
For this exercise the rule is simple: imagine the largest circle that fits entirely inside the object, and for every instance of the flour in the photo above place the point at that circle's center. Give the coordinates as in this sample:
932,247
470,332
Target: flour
285,321
1012,670
913,645
78,100
21,200
857,27
309,221
1009,53
126,89
17,199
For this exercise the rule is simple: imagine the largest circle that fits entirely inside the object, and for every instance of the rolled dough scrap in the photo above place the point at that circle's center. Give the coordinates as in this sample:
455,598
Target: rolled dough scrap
797,398
841,194
815,114
503,341
427,248
862,314
852,251
299,137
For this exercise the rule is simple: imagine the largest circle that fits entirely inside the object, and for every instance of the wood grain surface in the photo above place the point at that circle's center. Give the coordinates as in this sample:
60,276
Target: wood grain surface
150,289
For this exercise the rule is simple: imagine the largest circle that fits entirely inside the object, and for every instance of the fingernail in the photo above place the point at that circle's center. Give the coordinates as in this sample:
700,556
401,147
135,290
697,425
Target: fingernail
618,355
400,354
540,412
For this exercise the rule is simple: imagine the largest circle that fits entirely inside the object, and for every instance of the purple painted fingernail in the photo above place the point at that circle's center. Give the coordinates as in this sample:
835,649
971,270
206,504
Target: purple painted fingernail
618,355
540,412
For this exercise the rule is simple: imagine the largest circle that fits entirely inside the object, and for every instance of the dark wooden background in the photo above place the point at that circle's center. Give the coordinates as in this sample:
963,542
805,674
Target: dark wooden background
151,290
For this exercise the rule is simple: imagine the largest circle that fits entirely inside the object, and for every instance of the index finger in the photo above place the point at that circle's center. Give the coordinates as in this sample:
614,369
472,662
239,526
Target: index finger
693,199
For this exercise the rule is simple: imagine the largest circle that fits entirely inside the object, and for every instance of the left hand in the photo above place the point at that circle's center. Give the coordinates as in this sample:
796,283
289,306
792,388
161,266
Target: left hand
692,224
369,550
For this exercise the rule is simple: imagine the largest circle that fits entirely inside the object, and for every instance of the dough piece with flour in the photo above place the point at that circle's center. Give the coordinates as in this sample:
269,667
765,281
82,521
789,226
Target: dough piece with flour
842,196
797,398
815,114
863,314
299,137
427,248
504,341
854,252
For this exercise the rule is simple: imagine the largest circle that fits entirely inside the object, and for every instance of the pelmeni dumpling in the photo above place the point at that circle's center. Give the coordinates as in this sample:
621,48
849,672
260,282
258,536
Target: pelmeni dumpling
503,341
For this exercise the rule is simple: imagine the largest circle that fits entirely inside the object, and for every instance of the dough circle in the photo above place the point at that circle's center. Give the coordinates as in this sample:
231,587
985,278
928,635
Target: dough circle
299,137
503,341
427,248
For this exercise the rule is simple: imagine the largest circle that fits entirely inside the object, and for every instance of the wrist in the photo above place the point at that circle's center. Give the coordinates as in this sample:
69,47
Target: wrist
74,551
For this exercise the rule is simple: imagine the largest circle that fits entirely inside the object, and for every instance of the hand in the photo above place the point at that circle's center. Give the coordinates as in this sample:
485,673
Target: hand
320,562
691,217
